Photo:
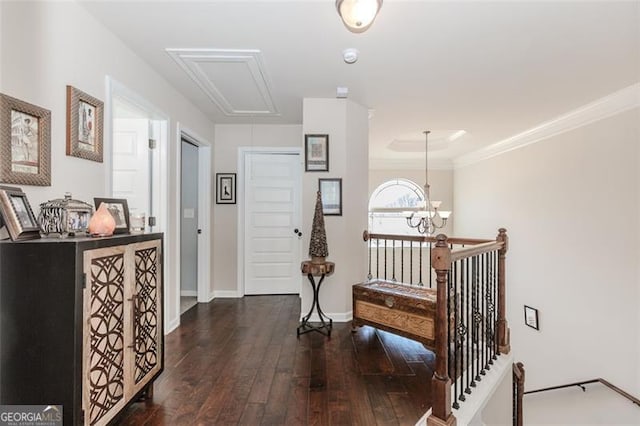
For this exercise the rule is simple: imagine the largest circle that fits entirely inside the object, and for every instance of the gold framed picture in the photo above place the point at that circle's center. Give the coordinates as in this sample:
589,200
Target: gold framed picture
84,125
25,143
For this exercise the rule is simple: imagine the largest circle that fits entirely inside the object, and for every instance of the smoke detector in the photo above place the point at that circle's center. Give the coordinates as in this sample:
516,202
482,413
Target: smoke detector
342,92
350,55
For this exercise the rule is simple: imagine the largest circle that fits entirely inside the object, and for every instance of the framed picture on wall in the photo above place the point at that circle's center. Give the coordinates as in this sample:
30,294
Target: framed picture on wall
225,188
25,143
531,317
84,125
316,153
331,193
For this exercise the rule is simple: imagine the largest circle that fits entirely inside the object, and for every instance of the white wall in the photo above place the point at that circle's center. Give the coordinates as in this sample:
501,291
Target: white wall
46,46
229,137
347,125
571,206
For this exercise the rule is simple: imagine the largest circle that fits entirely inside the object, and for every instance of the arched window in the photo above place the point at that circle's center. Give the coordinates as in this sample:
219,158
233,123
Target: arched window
387,203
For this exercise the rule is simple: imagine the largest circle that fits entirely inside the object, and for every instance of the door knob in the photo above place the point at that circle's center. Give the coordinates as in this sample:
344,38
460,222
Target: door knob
296,231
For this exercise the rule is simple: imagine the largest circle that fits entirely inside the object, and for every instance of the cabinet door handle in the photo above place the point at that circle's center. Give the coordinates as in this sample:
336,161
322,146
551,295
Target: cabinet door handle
134,315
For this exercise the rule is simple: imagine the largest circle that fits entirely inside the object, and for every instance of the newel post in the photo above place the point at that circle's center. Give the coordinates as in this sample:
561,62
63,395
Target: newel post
504,345
441,383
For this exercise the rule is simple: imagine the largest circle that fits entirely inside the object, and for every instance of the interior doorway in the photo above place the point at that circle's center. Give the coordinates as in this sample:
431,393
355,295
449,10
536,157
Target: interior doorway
189,231
193,213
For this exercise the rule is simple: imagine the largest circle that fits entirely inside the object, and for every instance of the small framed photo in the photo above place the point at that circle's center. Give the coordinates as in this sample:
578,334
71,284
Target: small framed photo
17,215
225,188
531,317
25,143
84,125
331,193
316,153
119,209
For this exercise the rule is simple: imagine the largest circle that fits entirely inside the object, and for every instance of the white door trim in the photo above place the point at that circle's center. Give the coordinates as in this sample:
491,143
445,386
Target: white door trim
243,151
113,89
204,292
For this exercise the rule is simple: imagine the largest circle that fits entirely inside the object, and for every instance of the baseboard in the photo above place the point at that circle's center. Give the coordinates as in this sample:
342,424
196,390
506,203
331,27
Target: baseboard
336,317
226,294
172,326
188,293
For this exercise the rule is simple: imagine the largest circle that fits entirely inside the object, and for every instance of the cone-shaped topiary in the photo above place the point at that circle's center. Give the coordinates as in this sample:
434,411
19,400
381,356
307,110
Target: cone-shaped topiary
318,249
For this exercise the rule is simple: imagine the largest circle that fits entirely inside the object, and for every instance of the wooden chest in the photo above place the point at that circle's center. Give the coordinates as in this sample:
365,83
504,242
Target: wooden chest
402,309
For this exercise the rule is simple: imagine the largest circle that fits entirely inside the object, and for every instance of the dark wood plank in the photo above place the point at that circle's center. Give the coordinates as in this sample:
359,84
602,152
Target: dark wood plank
239,361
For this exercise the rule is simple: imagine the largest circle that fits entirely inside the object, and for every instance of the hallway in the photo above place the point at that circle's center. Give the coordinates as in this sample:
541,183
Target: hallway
238,361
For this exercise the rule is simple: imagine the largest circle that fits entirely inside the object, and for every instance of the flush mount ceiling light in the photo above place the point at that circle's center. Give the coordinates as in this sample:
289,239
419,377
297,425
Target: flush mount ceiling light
358,15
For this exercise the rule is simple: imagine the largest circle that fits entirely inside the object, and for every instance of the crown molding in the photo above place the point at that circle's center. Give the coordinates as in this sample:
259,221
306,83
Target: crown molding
615,103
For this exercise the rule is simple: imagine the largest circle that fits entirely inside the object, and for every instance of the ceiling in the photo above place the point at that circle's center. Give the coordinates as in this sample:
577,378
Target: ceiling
492,69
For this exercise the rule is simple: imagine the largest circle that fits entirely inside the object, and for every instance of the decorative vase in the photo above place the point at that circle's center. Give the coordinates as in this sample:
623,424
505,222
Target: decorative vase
318,249
102,223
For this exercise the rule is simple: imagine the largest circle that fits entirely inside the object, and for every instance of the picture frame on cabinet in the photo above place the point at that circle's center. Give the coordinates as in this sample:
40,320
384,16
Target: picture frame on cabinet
316,153
119,209
25,143
17,215
225,188
84,125
331,193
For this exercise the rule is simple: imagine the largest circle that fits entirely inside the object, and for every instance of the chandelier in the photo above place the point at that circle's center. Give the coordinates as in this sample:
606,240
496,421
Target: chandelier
428,218
358,15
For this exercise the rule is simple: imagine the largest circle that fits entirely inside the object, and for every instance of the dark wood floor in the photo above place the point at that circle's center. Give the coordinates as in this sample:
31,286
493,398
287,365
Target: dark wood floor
238,361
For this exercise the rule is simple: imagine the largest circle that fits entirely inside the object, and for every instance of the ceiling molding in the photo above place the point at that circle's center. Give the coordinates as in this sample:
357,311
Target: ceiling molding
192,61
610,105
408,164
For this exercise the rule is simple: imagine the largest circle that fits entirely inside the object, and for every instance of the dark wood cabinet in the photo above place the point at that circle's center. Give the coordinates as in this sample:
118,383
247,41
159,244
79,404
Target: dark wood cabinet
81,323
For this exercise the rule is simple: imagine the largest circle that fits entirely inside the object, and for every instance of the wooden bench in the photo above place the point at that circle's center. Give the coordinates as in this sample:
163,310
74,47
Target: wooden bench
403,309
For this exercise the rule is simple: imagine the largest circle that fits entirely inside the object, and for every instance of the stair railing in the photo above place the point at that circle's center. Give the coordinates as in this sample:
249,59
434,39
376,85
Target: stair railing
471,328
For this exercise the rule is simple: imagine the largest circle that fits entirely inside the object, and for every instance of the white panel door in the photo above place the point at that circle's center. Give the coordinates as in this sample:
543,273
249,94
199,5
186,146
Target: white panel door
131,161
272,223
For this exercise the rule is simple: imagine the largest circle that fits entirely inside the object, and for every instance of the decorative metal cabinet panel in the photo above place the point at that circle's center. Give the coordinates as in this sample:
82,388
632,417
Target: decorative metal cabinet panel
81,323
122,340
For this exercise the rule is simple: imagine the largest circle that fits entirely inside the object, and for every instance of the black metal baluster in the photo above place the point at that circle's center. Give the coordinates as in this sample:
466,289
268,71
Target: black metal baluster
393,261
402,261
495,305
420,283
478,317
377,258
474,307
468,327
460,330
370,243
386,249
430,271
411,262
483,310
452,362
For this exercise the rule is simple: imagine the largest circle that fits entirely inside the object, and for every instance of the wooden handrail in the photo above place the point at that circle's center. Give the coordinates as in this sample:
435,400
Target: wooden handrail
366,236
463,253
587,382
